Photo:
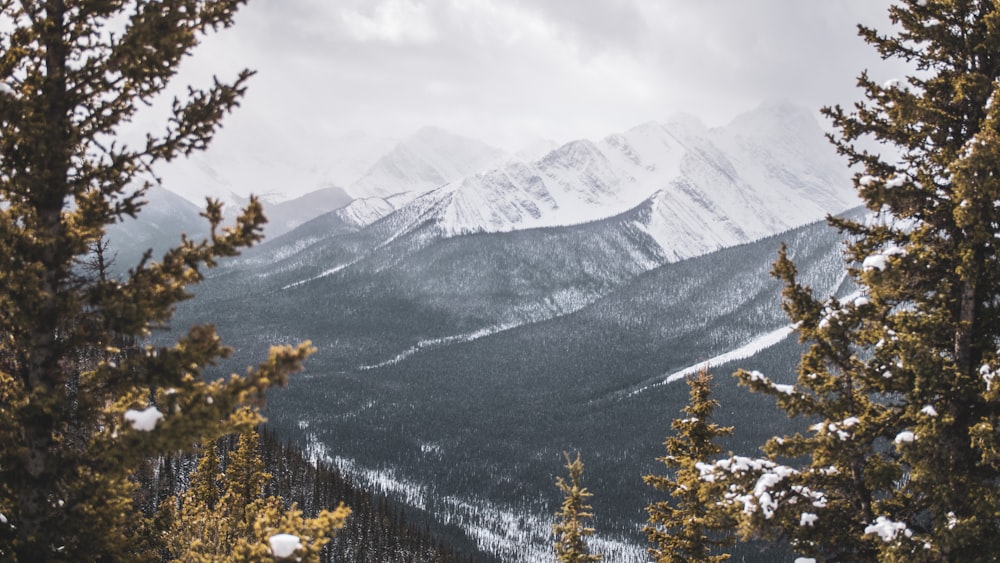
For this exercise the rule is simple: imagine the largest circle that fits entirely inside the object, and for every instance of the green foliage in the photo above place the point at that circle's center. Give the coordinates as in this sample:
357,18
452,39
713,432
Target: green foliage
224,515
687,528
901,463
570,531
72,76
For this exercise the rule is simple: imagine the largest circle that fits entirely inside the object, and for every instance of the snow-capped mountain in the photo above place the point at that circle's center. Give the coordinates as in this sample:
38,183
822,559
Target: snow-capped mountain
564,290
701,189
426,160
661,193
366,210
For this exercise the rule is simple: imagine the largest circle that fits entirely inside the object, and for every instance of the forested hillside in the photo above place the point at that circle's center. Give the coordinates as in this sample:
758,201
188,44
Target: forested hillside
377,530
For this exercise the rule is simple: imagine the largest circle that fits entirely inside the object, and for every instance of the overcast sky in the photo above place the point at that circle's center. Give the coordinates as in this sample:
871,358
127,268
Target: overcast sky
509,71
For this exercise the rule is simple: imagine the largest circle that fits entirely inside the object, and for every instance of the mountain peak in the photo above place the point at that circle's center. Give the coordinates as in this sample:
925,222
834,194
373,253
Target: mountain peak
698,189
427,159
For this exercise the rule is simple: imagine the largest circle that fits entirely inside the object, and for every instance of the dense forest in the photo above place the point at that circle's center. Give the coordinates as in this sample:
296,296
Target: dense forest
377,529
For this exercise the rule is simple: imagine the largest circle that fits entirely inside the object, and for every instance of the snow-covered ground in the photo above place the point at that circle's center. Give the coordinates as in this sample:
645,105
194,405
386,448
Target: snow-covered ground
514,535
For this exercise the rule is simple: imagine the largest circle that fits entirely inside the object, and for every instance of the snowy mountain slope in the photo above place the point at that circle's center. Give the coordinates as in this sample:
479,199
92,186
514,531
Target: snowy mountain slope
401,264
571,376
426,160
366,210
769,170
285,215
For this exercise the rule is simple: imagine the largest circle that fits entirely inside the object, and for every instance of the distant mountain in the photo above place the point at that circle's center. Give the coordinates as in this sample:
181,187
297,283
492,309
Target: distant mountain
700,189
283,216
167,215
346,158
428,159
692,189
157,228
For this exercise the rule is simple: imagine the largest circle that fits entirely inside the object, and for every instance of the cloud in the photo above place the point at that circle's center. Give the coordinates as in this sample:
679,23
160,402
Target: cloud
507,71
395,21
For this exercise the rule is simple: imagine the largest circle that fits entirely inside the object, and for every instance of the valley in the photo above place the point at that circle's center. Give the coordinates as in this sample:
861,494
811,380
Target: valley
460,353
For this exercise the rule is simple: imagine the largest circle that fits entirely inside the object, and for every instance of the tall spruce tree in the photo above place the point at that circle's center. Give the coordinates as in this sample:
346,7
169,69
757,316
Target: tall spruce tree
570,529
73,74
900,378
687,527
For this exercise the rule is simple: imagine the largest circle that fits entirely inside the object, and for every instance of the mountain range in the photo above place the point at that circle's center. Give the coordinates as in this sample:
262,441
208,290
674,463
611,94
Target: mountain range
477,313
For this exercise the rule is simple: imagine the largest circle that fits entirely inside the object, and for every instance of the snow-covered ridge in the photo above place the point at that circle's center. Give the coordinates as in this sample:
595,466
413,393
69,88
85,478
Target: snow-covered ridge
427,159
695,189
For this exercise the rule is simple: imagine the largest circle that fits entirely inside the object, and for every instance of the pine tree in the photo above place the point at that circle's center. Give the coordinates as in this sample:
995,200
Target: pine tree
224,515
73,74
570,531
686,528
899,378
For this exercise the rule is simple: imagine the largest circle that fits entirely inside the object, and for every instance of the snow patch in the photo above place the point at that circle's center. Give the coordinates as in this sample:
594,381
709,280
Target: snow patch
850,421
323,274
144,420
764,497
897,181
749,349
438,342
284,545
988,375
881,260
887,529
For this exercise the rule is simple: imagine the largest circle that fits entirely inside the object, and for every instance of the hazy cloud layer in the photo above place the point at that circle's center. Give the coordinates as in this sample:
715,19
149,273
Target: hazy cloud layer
508,71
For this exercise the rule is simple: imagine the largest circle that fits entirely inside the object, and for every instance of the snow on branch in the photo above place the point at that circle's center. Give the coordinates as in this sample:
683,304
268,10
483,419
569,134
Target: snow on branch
880,260
765,497
779,387
284,545
144,420
887,529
